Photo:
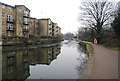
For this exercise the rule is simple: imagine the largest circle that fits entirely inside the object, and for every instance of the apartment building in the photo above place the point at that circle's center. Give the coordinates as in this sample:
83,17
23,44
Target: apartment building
45,27
32,27
56,30
15,20
22,15
0,21
8,17
37,28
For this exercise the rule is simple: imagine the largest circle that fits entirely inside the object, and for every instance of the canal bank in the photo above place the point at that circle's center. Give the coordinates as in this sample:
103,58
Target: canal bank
11,42
102,63
89,64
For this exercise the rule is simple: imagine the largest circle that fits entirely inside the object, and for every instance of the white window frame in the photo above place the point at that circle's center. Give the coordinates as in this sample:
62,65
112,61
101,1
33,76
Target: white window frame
25,13
9,8
19,10
20,18
25,27
3,23
10,26
10,17
25,20
3,14
3,6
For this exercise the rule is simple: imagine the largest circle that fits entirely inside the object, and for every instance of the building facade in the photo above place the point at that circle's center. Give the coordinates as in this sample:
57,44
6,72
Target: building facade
15,20
32,27
0,21
45,27
57,30
8,18
22,15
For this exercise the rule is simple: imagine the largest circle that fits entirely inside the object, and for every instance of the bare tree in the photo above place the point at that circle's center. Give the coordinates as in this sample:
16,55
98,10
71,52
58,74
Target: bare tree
96,14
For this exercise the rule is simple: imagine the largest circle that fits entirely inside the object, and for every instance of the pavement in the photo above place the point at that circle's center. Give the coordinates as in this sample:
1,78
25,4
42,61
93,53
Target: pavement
104,64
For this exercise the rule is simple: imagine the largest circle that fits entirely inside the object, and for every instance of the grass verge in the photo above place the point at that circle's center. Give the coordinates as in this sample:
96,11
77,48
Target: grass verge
114,48
89,47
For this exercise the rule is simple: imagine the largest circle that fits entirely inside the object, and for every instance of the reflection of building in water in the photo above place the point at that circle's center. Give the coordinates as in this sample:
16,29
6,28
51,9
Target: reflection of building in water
15,65
55,52
15,62
0,63
43,55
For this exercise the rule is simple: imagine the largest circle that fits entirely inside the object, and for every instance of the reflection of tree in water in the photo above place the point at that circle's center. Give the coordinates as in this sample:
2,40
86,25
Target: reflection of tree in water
83,58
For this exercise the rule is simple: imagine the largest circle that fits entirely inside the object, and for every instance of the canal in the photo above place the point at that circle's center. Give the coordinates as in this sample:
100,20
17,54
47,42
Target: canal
65,60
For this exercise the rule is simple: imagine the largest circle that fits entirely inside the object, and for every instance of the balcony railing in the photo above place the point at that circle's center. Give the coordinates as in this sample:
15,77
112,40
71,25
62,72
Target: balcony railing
26,15
25,23
50,28
9,20
25,30
10,29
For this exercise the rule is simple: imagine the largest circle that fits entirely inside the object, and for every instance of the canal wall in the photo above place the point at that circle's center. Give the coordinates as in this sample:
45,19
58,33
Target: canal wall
28,42
0,63
88,47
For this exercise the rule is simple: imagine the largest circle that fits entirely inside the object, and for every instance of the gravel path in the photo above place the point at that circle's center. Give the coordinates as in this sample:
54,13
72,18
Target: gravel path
104,63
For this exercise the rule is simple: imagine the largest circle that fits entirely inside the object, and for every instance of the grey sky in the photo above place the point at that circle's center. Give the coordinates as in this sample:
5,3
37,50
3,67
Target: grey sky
63,12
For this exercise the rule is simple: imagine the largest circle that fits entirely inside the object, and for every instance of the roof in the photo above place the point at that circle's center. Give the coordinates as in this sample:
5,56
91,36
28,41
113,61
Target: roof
22,5
14,6
6,4
45,19
32,18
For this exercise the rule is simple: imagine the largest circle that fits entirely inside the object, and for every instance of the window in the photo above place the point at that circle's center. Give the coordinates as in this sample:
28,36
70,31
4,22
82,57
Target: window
10,26
25,20
2,31
19,33
3,6
3,23
10,17
10,69
19,10
25,13
19,25
9,8
25,27
20,18
3,14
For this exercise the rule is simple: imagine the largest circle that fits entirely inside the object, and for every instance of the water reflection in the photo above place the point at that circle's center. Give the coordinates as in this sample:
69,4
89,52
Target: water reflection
16,61
57,62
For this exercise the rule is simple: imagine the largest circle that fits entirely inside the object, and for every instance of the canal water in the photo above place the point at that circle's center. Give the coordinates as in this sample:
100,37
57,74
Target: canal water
65,60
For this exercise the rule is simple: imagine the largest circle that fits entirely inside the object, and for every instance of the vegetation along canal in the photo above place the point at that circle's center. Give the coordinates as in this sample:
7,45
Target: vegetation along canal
63,61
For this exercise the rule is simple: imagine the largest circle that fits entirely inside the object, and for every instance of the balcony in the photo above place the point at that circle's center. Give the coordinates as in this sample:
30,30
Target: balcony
25,30
10,29
26,15
50,28
25,23
9,20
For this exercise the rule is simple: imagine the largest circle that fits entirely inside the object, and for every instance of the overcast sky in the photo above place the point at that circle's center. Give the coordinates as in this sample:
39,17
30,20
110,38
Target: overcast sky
63,12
